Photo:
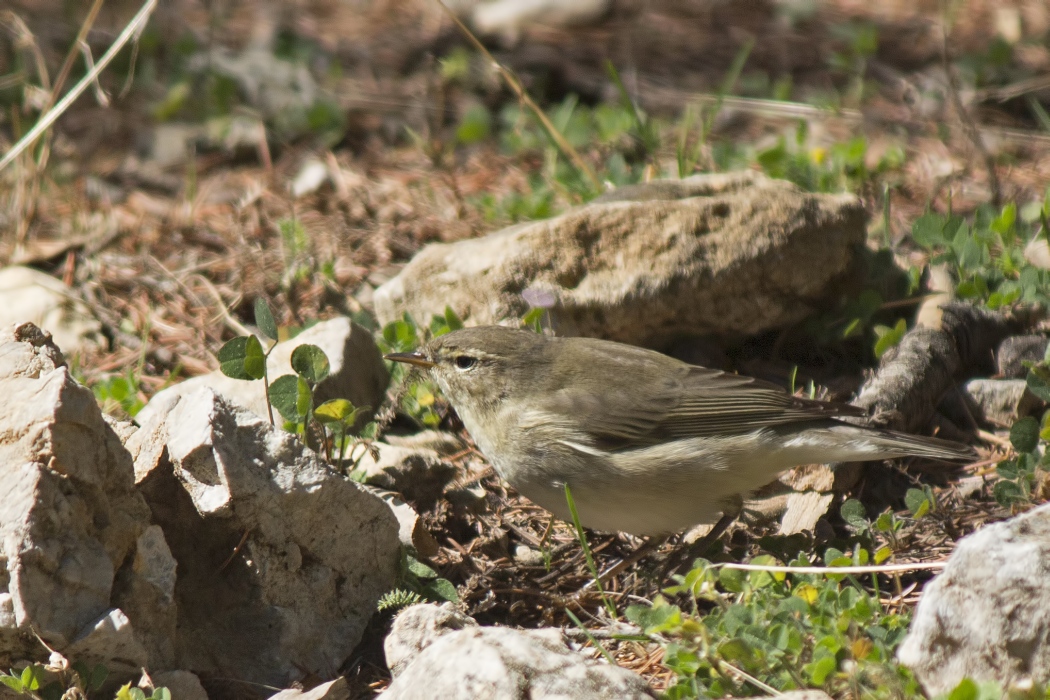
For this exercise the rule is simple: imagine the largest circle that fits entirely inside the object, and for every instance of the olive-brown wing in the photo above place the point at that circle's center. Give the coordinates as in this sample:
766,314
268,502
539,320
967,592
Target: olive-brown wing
699,402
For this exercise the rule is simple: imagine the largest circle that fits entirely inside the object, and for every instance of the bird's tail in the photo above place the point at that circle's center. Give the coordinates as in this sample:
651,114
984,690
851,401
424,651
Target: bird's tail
923,446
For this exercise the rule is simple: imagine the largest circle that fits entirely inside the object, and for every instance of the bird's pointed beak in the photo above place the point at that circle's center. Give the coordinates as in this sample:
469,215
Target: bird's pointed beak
411,358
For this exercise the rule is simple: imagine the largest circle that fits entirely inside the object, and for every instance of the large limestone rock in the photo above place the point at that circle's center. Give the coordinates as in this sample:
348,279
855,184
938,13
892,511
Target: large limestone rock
712,254
280,559
434,652
987,616
71,523
357,372
259,564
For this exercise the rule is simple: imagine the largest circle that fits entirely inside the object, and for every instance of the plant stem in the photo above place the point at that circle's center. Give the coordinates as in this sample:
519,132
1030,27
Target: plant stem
587,553
515,85
266,383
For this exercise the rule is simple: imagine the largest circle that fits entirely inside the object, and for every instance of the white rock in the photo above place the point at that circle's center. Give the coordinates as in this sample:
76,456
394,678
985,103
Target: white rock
311,176
803,511
987,616
280,559
435,653
69,515
110,641
509,18
417,627
524,555
172,143
27,295
1037,253
411,531
999,401
146,593
332,690
649,263
420,475
182,685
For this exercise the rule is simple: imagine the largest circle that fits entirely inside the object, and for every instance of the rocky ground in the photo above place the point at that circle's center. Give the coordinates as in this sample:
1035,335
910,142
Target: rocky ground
345,160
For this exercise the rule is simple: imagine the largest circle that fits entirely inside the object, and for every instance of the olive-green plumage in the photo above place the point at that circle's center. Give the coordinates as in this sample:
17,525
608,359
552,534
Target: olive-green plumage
648,444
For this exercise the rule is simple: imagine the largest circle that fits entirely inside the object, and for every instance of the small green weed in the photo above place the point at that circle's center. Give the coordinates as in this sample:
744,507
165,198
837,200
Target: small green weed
293,394
790,631
244,357
860,41
841,167
398,599
129,692
474,126
1023,478
688,157
1020,476
865,319
58,680
581,537
889,337
881,534
296,246
30,680
730,632
119,393
987,253
417,582
994,65
642,130
537,202
620,137
214,92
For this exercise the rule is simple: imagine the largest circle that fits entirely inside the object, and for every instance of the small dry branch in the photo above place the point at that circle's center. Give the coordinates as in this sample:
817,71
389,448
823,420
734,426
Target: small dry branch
904,393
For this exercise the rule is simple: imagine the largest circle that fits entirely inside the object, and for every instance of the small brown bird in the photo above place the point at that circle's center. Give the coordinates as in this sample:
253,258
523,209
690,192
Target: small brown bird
647,444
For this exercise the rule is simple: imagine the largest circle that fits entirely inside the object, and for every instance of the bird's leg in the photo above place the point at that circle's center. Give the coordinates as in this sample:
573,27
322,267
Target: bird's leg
734,506
643,550
547,531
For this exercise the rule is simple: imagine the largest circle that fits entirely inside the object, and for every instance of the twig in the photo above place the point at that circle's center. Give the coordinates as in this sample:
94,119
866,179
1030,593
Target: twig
45,122
244,538
643,550
235,325
1014,90
24,37
590,638
881,569
994,439
747,677
661,97
516,86
969,127
230,321
67,64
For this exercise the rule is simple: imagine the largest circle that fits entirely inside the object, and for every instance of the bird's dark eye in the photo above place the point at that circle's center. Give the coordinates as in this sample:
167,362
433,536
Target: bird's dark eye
465,361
